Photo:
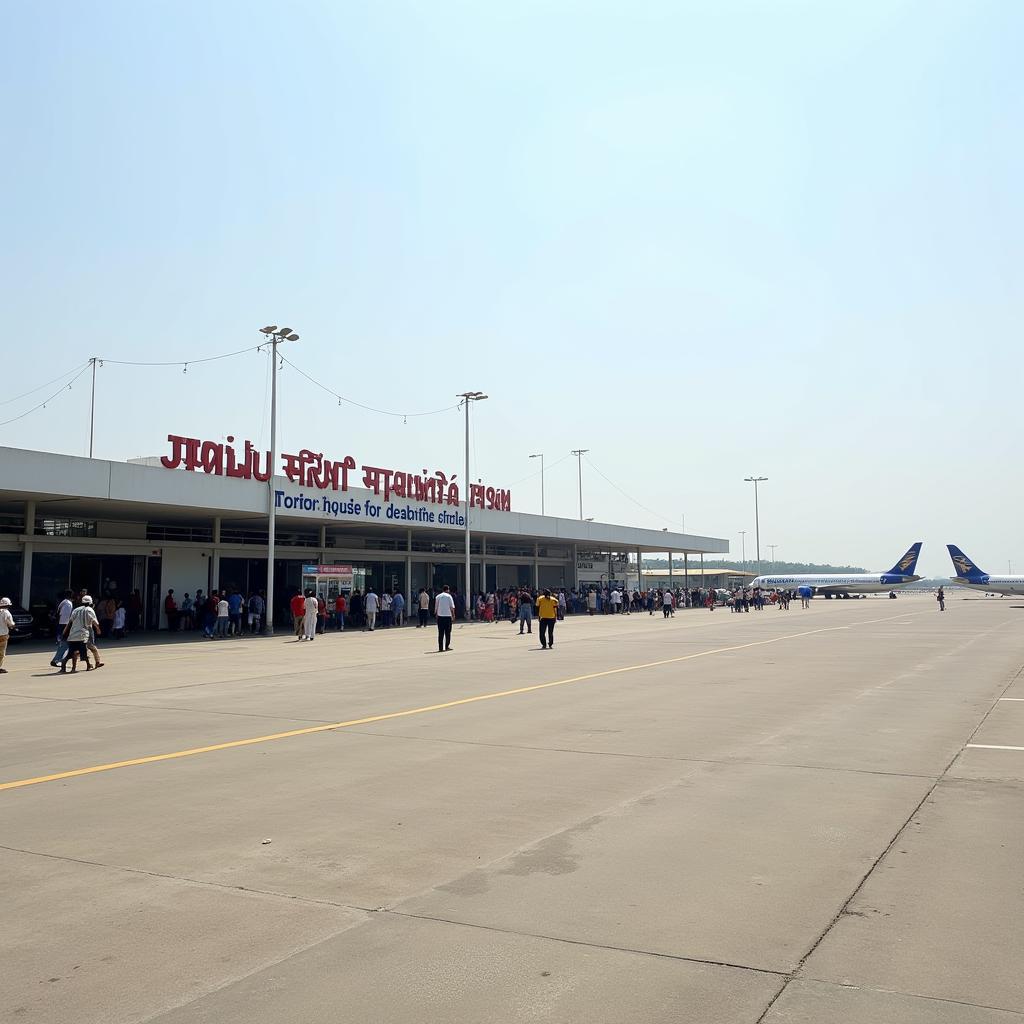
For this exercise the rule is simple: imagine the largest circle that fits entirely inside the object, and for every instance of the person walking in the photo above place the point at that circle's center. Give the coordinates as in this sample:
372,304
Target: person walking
547,613
298,610
371,605
171,611
256,609
223,617
444,612
666,604
398,608
941,598
64,610
591,601
312,609
79,633
340,607
424,607
525,611
6,625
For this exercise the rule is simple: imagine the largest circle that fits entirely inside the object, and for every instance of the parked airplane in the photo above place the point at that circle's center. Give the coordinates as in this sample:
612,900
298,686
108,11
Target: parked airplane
838,585
969,575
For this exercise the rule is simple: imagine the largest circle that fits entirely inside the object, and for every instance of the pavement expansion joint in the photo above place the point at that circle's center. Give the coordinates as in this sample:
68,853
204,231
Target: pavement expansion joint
185,879
590,945
885,851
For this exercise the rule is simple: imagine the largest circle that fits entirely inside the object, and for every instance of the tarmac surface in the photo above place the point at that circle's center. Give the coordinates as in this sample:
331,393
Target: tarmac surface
796,817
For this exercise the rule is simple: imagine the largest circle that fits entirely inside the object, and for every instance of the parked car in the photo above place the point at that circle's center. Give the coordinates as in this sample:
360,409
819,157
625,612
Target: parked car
24,624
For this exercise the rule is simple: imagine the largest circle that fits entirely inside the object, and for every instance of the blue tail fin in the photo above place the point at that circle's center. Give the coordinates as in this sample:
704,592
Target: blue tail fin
908,563
963,565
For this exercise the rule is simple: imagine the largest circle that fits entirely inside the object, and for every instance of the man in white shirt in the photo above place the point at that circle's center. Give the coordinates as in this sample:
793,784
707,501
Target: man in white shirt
223,617
79,629
371,603
311,610
64,610
6,625
444,611
616,599
385,608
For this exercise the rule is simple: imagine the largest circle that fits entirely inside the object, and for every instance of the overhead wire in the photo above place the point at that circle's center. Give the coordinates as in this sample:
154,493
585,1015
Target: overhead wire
25,394
626,494
359,405
537,473
181,362
43,404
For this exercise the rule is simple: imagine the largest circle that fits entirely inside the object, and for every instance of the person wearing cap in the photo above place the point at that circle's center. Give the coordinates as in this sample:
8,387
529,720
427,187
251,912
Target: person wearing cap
547,612
6,625
79,633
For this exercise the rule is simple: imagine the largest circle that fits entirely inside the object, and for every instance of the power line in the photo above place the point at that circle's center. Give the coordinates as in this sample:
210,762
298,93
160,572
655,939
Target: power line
547,469
626,494
359,405
25,394
42,405
180,362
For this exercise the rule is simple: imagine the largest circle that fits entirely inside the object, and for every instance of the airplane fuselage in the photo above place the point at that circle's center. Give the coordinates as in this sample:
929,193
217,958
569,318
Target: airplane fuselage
852,583
993,584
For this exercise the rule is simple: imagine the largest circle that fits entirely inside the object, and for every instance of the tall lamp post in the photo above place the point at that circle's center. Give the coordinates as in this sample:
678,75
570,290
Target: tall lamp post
468,397
743,545
579,453
540,455
755,480
275,335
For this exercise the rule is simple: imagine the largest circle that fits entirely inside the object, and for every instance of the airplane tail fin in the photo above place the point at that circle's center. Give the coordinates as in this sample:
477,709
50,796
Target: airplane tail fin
908,563
963,565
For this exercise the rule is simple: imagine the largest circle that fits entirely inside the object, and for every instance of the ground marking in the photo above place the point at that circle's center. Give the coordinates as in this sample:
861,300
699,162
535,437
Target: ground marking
990,746
1021,699
174,755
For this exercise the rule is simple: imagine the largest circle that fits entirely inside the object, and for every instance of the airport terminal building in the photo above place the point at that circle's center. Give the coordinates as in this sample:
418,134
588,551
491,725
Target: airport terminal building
197,517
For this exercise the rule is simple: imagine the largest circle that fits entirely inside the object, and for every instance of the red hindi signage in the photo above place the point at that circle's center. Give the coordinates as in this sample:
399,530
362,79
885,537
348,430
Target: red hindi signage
311,469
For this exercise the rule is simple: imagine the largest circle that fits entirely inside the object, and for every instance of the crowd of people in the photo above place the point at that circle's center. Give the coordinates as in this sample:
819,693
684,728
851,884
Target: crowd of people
226,613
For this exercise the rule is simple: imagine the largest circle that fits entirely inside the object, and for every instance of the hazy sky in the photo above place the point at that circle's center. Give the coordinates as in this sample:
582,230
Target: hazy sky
703,240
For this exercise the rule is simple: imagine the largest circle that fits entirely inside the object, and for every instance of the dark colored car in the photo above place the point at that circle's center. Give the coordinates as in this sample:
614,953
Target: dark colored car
24,624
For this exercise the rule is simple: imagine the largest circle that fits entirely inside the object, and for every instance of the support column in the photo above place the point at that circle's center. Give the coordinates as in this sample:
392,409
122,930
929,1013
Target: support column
408,576
639,571
483,565
670,585
536,567
29,531
215,557
686,572
576,568
323,544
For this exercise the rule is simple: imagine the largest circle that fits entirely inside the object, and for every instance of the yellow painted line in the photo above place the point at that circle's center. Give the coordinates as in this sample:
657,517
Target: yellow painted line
310,730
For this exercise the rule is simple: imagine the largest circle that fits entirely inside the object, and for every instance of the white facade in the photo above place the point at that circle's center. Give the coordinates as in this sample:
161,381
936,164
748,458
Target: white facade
192,522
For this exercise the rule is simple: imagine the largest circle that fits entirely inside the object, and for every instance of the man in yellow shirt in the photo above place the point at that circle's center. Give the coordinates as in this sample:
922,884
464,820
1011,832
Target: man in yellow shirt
547,612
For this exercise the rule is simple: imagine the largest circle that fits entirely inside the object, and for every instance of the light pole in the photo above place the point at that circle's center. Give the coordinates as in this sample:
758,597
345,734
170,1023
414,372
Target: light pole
743,545
755,480
92,405
275,335
540,455
579,453
773,547
467,398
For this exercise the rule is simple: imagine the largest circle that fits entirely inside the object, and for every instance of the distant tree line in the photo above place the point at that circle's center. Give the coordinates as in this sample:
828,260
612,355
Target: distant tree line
751,565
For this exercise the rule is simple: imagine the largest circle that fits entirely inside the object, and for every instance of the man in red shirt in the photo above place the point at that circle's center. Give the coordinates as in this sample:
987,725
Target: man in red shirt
298,607
340,607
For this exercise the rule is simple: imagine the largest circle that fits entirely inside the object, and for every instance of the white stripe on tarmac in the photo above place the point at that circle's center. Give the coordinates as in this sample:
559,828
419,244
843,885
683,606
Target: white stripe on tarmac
991,746
1020,699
